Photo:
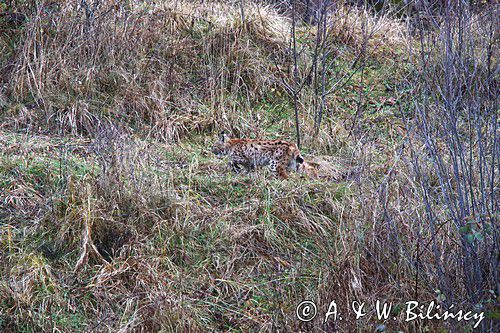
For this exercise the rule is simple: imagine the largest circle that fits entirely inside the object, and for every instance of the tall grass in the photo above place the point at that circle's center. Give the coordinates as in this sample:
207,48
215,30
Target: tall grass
115,216
167,67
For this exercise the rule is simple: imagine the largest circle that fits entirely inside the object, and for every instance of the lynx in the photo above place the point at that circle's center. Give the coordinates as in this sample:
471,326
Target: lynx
250,153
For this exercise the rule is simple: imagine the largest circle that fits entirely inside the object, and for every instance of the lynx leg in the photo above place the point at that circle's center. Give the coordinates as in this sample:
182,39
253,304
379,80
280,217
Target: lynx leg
282,172
278,169
236,164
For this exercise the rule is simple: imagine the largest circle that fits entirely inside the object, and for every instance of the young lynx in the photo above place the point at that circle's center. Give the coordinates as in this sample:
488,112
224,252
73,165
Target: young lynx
249,153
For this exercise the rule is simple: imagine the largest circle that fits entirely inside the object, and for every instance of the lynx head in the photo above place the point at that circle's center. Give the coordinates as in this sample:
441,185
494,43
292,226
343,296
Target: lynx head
309,169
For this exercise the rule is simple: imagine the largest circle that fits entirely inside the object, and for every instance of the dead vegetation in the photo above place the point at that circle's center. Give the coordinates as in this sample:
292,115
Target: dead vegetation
147,64
115,215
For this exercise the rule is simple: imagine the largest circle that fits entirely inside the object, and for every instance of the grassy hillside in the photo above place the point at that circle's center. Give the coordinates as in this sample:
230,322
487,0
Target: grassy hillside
116,216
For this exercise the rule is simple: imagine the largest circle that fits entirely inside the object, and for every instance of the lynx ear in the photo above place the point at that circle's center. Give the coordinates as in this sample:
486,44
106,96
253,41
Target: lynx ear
223,137
299,159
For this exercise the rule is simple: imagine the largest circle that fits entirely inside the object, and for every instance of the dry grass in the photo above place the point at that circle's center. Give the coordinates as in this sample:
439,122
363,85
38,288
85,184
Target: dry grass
133,235
183,246
135,64
115,215
382,36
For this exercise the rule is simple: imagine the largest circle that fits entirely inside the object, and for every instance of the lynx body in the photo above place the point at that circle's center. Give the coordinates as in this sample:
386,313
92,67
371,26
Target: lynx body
279,155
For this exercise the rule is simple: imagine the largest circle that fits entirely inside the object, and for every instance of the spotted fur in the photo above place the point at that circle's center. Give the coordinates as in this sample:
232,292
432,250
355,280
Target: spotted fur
279,155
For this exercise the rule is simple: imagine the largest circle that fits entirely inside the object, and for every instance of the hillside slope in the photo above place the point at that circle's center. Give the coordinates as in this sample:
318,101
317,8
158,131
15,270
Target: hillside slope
116,216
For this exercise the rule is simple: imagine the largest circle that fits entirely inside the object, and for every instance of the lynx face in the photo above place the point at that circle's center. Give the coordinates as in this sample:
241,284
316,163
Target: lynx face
249,153
309,169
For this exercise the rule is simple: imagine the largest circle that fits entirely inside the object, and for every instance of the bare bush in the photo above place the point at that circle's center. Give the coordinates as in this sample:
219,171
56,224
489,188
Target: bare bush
454,156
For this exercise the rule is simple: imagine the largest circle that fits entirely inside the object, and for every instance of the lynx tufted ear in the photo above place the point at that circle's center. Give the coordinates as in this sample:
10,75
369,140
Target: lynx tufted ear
223,137
299,159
